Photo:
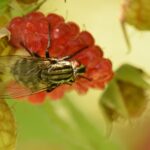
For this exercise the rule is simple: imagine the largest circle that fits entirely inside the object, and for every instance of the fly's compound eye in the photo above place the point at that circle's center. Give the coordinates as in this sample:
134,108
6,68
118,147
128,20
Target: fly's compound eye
78,67
81,69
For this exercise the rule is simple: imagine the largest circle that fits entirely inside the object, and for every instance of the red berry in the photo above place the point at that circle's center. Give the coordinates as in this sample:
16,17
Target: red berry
63,33
65,40
54,20
34,16
74,28
87,38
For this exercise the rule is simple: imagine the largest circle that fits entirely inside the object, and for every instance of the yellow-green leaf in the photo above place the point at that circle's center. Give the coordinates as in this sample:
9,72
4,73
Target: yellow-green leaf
7,128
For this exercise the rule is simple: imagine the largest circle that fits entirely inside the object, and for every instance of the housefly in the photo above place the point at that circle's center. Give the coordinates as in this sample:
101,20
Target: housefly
33,74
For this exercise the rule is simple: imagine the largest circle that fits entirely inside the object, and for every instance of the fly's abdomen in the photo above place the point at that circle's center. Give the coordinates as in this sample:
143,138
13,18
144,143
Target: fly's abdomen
59,73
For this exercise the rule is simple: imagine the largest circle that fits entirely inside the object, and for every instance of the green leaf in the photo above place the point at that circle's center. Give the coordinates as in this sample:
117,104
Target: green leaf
16,9
123,102
34,7
8,135
112,103
19,10
131,74
3,6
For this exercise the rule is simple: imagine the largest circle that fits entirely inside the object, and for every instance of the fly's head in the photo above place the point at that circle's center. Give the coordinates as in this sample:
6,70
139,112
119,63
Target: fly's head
78,68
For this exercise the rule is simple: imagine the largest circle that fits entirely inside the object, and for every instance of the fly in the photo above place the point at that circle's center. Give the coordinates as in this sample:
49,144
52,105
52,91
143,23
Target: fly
33,74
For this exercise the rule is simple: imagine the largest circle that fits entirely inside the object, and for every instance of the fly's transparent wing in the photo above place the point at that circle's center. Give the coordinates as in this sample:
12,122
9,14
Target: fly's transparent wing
16,90
6,63
11,85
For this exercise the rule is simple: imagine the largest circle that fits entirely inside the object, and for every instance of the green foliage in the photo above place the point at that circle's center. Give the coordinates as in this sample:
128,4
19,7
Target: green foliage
125,96
3,6
11,8
131,74
44,123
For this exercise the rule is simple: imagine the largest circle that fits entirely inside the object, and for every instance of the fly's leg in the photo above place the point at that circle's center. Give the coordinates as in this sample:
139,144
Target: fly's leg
74,54
88,79
29,51
49,90
36,55
48,43
52,87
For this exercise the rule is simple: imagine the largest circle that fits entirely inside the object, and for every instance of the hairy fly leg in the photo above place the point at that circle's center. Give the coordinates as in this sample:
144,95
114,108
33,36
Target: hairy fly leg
52,87
75,53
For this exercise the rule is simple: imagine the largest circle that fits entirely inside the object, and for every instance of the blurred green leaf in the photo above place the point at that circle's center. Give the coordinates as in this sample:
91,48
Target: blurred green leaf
86,127
3,6
125,95
27,1
112,103
131,74
42,122
8,131
34,7
16,9
136,13
66,131
20,10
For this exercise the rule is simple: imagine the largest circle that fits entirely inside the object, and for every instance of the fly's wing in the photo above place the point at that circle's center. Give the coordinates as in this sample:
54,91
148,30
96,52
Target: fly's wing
9,86
16,90
6,63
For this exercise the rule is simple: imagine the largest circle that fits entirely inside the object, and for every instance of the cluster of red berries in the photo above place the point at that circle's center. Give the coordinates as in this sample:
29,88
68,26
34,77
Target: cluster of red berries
66,38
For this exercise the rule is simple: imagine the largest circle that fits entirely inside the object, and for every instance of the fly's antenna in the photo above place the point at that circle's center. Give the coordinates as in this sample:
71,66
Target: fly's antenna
48,43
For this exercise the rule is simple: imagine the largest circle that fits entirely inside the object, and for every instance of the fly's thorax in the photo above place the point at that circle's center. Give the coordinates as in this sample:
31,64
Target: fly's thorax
59,72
